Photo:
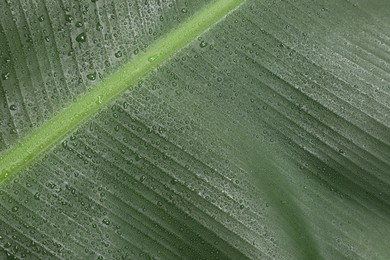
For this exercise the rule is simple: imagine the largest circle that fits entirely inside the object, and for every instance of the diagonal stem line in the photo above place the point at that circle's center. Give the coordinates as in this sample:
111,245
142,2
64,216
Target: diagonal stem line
50,133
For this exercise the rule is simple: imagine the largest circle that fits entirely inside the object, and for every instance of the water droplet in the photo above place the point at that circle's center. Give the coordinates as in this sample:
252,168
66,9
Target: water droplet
82,37
41,18
203,44
106,222
68,18
184,10
37,195
99,100
5,76
341,151
12,107
79,24
99,27
15,209
91,76
118,54
161,130
152,58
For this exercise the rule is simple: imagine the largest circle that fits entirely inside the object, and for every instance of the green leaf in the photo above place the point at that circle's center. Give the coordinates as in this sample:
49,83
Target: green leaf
45,136
169,129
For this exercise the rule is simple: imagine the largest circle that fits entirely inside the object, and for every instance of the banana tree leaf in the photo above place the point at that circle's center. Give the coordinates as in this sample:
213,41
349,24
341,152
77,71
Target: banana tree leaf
207,129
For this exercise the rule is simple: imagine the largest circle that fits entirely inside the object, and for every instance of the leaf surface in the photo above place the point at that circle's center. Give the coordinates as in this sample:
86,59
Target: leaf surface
194,129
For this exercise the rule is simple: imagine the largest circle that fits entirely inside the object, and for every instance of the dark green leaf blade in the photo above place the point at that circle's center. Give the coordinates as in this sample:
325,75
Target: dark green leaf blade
267,137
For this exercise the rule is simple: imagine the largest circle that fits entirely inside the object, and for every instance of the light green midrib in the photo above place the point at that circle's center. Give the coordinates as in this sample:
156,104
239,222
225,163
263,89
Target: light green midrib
51,132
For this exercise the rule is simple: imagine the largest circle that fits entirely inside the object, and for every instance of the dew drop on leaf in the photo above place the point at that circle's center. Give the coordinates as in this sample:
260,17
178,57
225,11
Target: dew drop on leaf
5,76
79,24
99,100
68,18
37,195
82,37
12,107
99,27
91,76
15,209
106,222
118,54
152,58
41,18
203,44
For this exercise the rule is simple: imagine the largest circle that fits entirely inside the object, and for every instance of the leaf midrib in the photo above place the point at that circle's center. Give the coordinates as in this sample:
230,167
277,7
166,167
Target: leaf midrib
38,142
